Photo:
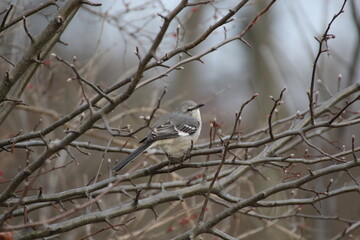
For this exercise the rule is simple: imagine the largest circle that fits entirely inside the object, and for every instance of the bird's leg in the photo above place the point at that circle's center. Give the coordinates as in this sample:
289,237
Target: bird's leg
130,180
150,179
186,155
137,197
187,152
170,158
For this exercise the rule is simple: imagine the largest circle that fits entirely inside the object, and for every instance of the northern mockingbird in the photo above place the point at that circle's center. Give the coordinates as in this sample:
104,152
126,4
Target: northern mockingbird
174,132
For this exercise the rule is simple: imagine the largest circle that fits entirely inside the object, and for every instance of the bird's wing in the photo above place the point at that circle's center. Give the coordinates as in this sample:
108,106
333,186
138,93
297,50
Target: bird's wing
175,125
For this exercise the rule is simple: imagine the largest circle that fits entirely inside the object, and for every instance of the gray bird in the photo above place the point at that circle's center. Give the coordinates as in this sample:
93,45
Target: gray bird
174,132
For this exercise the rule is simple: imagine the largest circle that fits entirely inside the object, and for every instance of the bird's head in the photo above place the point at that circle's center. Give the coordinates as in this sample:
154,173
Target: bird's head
188,106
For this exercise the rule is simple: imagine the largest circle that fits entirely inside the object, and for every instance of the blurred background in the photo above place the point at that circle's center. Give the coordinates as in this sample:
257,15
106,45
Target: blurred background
103,40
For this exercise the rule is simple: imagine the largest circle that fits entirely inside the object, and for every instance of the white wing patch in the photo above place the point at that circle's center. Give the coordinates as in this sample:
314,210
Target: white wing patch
185,130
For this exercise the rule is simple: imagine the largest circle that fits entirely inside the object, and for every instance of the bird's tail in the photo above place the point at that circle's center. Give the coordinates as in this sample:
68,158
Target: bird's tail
131,156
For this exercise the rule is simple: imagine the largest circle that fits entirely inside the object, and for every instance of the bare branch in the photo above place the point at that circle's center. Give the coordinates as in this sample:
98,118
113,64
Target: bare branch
277,102
323,40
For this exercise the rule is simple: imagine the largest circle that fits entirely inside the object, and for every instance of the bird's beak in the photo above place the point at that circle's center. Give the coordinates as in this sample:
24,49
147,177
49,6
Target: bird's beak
198,106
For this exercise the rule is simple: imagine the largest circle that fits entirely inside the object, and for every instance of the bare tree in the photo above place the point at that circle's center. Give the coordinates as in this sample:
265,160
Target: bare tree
66,120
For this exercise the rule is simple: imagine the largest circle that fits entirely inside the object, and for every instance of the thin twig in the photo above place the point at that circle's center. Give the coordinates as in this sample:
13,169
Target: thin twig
343,109
323,40
5,26
27,31
277,102
6,16
224,151
79,77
